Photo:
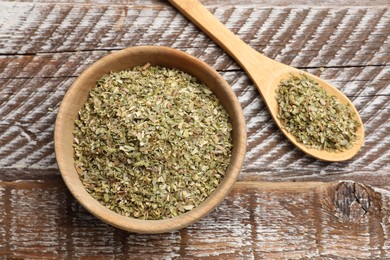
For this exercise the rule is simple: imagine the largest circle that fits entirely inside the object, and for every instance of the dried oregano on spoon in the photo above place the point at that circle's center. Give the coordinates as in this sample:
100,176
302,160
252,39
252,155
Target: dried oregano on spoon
151,142
317,119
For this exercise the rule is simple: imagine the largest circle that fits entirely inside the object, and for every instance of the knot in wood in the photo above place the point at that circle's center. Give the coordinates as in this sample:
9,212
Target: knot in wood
353,201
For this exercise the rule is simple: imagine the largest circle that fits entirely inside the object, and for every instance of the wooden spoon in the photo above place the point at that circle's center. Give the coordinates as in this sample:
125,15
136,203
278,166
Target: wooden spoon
265,73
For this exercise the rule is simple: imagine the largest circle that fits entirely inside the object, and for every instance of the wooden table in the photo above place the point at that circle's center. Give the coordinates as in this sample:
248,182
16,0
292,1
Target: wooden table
285,204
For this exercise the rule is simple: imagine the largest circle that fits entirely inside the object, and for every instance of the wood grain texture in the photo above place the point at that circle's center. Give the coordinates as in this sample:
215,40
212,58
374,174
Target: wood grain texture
301,37
256,3
45,45
257,220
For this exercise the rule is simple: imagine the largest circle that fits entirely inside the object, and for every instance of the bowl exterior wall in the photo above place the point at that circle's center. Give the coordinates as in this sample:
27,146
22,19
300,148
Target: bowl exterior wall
127,59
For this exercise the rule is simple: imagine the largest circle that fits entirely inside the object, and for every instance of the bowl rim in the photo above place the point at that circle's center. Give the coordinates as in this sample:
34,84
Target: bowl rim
71,178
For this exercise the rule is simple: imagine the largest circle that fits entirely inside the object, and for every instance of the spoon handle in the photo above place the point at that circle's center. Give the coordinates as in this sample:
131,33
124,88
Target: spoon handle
249,59
261,69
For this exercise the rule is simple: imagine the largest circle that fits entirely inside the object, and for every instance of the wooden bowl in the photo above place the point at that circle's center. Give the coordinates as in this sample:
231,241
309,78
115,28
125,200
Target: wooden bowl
126,59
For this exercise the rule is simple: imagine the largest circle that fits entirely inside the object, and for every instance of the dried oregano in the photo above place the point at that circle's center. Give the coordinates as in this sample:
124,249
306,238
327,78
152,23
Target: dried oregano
317,119
151,142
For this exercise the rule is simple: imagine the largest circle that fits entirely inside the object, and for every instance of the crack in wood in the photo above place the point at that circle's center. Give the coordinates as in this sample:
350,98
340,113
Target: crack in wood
353,201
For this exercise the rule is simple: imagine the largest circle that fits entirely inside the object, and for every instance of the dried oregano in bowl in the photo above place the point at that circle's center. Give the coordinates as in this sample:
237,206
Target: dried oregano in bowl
151,142
118,171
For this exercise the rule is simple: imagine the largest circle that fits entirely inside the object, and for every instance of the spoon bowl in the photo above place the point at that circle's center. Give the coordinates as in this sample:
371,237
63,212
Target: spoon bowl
128,58
266,74
281,72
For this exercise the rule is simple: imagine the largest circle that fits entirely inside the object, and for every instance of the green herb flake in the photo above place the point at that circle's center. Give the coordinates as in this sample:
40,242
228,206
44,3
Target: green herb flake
151,142
316,119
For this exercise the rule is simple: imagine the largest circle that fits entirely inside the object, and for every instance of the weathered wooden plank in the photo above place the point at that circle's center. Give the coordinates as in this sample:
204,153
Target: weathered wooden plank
26,130
3,233
73,63
257,220
283,3
297,36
